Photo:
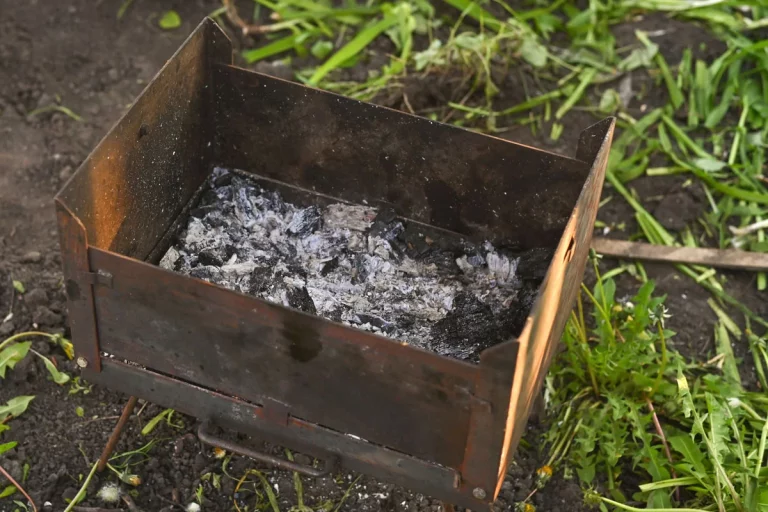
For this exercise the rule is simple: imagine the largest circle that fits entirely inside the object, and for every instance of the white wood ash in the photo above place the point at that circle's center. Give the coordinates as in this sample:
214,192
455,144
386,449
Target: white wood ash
352,264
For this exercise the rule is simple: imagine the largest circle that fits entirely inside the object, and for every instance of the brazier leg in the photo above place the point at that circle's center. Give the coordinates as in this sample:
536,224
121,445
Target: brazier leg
115,437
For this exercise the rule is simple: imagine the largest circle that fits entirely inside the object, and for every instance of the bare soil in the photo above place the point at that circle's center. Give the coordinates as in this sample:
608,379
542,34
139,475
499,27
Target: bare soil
78,51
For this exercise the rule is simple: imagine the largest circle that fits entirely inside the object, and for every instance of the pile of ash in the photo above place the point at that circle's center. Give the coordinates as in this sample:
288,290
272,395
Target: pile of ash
354,265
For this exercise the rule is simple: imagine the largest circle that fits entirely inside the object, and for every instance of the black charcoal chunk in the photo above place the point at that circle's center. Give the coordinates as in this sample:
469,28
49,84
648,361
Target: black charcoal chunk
445,261
385,216
201,211
389,231
210,257
329,266
294,270
223,179
209,197
260,281
512,318
534,263
299,298
206,272
415,241
305,222
468,328
216,220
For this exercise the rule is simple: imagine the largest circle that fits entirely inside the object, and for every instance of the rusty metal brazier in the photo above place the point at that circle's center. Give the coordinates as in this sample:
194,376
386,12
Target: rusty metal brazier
441,426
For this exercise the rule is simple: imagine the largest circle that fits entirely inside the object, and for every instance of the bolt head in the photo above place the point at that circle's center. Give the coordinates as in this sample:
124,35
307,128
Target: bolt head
479,493
82,362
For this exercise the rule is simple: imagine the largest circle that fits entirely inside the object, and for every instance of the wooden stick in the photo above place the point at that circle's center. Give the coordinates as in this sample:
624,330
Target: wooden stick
723,258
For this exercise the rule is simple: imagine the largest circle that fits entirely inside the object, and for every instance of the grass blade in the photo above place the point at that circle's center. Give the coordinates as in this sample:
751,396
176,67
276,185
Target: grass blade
154,422
675,94
55,108
761,450
352,48
724,347
478,13
586,78
683,139
275,47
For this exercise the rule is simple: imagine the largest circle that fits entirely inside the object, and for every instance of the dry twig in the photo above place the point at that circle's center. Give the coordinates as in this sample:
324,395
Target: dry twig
723,258
130,503
247,28
96,509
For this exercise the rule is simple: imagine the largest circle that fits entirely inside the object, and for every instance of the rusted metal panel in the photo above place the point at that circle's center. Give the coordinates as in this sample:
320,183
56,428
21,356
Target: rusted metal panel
136,181
315,440
73,242
326,373
594,146
489,417
558,293
472,184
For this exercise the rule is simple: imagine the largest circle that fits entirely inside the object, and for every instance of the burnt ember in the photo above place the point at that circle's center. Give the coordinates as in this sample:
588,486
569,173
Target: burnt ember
358,265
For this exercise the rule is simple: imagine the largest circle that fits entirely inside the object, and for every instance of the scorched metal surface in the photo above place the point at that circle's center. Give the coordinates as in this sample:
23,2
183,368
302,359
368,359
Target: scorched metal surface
438,425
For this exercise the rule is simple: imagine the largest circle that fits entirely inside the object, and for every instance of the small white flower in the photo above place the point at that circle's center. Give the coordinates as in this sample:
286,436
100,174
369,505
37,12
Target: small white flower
193,507
110,493
734,402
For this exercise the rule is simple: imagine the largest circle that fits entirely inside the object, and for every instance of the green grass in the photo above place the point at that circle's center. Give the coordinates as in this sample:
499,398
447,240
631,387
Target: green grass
621,398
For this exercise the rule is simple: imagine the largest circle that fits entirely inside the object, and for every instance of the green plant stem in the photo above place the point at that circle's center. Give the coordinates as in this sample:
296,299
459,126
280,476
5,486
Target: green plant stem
586,79
635,509
761,450
346,494
663,366
24,335
81,493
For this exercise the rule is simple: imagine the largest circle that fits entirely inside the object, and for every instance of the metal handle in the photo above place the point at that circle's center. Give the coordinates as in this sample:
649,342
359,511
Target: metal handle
206,437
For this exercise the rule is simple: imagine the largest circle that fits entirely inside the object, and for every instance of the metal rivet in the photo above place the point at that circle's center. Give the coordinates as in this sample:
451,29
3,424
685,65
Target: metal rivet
479,493
82,362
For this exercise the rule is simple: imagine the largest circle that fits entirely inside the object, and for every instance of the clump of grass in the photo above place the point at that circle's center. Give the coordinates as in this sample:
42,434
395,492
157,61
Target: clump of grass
622,401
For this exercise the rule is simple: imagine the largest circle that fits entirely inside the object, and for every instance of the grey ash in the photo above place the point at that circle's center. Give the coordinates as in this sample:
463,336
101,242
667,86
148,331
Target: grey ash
356,265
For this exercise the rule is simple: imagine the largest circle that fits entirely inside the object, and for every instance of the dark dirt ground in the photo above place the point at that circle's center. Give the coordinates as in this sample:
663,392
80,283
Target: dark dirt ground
77,50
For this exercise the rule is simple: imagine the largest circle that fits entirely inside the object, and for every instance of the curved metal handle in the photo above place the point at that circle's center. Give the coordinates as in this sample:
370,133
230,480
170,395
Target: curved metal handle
206,437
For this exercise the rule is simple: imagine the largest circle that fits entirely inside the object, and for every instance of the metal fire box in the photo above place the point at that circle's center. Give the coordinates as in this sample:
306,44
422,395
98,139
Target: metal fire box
443,427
